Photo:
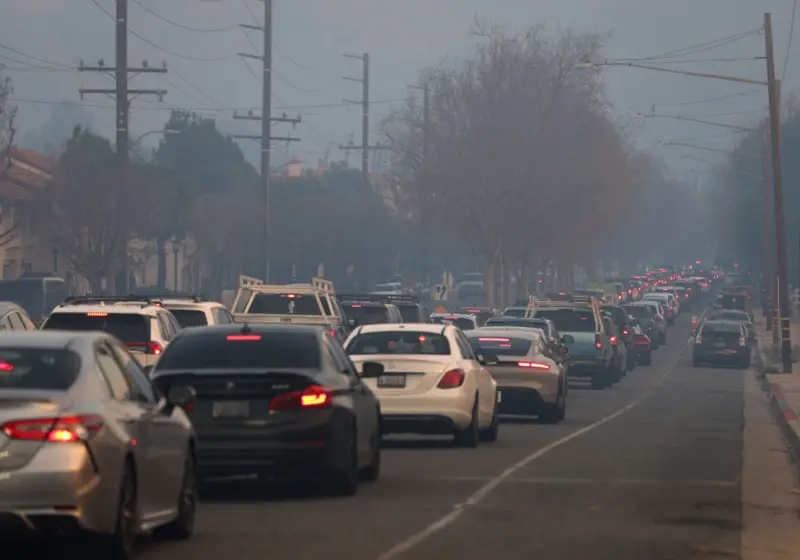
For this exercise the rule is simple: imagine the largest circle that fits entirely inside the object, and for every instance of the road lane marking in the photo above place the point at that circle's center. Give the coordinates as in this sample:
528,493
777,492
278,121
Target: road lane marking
598,481
479,495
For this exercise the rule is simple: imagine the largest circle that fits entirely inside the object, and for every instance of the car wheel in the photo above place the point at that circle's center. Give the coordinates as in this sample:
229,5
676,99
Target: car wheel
373,471
632,362
183,526
119,545
491,433
344,482
469,436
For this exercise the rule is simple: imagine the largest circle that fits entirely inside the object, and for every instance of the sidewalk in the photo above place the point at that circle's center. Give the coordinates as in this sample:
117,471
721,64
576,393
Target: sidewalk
783,390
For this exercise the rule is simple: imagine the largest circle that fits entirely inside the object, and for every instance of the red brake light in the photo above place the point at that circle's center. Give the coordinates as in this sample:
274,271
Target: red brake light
6,367
597,342
613,340
243,337
473,310
534,365
97,314
69,429
452,379
356,305
314,396
493,340
626,332
146,347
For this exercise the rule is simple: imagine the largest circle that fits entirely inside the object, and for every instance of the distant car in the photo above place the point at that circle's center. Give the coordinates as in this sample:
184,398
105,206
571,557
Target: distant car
88,447
463,321
721,342
14,318
658,317
431,380
646,318
195,311
642,346
276,400
370,313
530,381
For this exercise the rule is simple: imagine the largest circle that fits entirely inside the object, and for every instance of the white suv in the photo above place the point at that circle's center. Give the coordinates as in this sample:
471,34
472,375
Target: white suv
195,311
144,326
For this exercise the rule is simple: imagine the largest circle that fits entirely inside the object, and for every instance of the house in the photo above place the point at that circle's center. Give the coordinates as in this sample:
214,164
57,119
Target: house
27,242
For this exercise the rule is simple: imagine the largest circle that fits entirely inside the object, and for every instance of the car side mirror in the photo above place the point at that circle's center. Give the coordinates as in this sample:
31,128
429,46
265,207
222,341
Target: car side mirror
487,359
352,323
183,396
371,370
567,338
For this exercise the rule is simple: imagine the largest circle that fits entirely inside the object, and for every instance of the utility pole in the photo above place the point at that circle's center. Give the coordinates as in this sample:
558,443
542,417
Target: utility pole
365,146
777,185
266,137
121,94
768,274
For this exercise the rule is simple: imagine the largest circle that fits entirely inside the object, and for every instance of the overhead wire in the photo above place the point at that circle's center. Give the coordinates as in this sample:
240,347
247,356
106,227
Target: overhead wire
181,25
789,44
37,58
698,48
710,99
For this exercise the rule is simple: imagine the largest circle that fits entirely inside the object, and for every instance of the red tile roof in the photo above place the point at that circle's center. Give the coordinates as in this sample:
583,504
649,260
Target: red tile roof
17,181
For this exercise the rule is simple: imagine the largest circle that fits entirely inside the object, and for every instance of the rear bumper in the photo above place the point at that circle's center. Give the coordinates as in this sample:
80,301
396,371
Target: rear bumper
427,424
720,356
521,400
427,413
586,367
57,493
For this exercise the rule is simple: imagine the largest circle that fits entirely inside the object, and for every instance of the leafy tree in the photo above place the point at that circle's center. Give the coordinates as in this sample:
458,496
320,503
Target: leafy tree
83,205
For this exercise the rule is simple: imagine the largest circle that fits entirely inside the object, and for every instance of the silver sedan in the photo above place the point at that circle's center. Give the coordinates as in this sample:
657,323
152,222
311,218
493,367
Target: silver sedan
87,447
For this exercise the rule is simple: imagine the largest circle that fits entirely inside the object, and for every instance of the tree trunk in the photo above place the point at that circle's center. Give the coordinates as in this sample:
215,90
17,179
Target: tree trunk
161,253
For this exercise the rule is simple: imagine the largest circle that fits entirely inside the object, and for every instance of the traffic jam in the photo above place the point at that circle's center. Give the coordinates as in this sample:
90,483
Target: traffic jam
120,414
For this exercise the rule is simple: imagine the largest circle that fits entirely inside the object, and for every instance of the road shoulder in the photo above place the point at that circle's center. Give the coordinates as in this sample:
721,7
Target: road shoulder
770,494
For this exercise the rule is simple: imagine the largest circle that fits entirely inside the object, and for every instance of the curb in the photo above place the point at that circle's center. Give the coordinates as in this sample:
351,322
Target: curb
784,416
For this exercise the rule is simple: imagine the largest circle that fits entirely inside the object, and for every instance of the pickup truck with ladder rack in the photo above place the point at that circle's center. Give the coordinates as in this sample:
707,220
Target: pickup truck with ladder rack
304,304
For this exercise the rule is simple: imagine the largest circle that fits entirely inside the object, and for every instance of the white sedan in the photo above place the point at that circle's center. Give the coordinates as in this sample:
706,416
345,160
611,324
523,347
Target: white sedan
432,381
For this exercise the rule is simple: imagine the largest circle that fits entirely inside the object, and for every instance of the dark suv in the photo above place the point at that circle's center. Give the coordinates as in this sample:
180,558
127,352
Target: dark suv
623,323
370,313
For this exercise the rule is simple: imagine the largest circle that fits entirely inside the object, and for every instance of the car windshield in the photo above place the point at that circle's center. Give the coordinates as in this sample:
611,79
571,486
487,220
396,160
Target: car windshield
399,342
366,315
499,345
190,317
569,320
128,327
226,350
639,311
41,369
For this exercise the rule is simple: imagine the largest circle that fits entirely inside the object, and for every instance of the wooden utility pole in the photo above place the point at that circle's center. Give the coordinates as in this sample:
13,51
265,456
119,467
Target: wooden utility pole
768,274
777,186
266,137
121,94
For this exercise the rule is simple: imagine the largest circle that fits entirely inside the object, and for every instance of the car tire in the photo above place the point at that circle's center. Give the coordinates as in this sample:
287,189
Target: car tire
373,472
555,412
182,527
119,545
491,433
469,436
632,362
344,481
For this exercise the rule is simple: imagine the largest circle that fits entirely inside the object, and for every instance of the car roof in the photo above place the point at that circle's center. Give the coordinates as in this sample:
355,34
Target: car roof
528,334
456,315
720,322
417,327
351,303
49,338
114,308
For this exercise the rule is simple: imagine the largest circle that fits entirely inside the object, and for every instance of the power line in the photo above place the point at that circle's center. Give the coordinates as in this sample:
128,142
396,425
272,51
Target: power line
698,48
40,59
181,25
730,59
710,99
789,45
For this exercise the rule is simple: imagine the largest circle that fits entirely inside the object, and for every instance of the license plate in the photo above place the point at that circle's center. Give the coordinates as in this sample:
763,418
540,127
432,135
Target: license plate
719,345
392,381
231,409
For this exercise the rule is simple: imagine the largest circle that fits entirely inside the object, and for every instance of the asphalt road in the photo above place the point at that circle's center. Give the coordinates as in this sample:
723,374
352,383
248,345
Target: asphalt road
647,470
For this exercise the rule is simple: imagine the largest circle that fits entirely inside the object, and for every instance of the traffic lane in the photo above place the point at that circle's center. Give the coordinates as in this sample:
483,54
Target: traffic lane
421,481
660,481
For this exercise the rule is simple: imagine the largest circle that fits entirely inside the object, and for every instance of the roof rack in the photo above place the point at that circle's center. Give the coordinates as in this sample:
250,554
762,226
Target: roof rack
102,300
245,281
378,298
162,297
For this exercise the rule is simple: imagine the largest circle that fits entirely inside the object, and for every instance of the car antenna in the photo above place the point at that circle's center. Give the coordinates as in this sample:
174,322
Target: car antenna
246,329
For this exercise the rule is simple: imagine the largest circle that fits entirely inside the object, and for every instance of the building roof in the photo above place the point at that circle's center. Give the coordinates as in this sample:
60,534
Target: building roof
24,173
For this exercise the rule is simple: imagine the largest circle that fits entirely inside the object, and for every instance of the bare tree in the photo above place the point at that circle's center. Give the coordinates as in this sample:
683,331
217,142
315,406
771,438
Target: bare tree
522,157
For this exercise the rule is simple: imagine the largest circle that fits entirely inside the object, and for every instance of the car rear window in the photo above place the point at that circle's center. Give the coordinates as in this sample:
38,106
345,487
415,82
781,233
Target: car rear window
410,313
500,345
288,304
128,327
190,317
268,350
574,320
515,322
366,315
722,328
38,369
399,342
515,312
638,311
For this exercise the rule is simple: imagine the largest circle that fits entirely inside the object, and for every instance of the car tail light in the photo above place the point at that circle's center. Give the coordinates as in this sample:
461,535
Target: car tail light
147,347
699,339
533,365
311,397
694,322
625,332
598,343
742,341
69,429
613,340
452,379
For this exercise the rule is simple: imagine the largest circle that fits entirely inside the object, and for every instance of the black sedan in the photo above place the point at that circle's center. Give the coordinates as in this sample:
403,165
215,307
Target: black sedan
276,401
721,342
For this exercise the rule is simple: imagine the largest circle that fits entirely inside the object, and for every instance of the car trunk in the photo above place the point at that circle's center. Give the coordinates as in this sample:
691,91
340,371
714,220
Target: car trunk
507,370
232,405
721,340
405,375
16,405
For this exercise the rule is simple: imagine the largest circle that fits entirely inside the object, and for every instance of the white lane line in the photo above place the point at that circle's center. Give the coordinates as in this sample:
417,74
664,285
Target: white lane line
597,481
486,489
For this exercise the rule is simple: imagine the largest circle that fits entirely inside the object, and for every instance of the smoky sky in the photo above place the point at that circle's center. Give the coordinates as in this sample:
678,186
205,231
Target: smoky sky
402,37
